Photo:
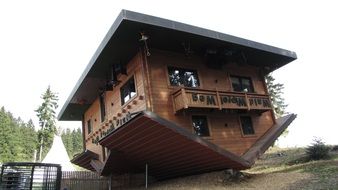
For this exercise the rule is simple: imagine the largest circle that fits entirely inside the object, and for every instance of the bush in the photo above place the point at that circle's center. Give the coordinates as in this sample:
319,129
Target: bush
318,150
334,148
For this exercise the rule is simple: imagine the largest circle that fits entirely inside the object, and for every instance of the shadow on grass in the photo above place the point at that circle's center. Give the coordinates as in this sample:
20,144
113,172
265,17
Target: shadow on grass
325,174
315,167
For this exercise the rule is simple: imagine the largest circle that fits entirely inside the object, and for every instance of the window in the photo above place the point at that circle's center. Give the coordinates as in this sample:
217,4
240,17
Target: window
89,126
200,125
239,84
128,90
246,124
183,77
102,107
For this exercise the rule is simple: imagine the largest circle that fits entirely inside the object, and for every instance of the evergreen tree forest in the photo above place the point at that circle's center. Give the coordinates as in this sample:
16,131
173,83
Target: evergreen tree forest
72,139
18,140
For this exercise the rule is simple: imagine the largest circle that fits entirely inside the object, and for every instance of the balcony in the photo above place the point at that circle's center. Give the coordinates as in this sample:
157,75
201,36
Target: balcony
186,98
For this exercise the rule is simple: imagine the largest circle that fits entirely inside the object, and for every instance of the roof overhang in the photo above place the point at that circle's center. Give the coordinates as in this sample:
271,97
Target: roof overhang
84,159
122,42
169,150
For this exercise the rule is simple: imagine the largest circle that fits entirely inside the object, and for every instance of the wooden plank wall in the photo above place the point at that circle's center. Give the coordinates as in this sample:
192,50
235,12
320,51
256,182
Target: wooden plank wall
113,103
224,127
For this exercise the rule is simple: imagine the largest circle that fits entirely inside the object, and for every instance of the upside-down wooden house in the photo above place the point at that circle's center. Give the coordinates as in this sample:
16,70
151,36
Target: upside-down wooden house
179,98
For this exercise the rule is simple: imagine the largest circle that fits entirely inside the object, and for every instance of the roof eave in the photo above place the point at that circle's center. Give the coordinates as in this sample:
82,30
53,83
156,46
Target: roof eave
92,61
65,112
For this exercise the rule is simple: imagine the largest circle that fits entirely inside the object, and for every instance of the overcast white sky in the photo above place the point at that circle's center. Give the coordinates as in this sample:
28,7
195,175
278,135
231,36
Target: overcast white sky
50,43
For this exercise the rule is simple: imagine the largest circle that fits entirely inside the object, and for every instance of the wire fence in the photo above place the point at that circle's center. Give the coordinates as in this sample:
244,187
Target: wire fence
83,180
87,180
28,176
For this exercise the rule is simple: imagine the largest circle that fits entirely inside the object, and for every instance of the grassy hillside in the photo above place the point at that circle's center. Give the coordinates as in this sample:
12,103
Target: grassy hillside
277,169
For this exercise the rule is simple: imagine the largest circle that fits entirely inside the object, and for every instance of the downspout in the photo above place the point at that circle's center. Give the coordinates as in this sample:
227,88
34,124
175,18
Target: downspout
146,79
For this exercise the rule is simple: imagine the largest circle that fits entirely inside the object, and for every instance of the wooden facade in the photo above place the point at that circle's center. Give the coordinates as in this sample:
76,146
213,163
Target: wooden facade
224,125
115,112
213,100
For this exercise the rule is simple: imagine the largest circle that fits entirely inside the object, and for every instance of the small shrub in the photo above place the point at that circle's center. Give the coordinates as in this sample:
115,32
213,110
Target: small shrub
318,150
334,148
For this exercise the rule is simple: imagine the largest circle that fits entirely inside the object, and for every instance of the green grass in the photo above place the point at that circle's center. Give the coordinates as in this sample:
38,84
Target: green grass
277,169
324,172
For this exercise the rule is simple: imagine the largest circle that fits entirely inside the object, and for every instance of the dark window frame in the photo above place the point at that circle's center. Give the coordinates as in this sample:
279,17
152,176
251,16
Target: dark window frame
104,155
243,125
89,126
126,88
240,79
102,101
182,77
206,122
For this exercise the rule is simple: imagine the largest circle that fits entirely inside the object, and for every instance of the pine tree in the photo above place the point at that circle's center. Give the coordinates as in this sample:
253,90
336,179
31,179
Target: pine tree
278,103
46,115
276,92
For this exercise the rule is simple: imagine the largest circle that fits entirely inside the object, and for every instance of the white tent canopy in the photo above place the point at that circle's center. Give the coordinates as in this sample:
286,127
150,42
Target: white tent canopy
58,155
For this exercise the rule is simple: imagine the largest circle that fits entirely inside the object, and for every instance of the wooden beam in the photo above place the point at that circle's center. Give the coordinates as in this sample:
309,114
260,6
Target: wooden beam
97,165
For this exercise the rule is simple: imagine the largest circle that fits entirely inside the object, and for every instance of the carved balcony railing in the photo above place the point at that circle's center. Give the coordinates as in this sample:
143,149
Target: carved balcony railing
186,98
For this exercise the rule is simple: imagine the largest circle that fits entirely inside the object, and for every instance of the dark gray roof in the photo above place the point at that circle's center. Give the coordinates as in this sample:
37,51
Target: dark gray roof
122,42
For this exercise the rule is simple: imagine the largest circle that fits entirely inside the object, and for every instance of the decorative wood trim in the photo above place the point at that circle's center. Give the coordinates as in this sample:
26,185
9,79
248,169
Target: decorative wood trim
191,98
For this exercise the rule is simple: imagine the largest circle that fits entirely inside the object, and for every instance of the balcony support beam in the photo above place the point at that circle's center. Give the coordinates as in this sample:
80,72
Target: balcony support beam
247,101
219,100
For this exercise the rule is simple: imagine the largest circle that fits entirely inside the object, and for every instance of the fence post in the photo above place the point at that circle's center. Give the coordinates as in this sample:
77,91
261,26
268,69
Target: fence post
109,181
146,176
